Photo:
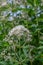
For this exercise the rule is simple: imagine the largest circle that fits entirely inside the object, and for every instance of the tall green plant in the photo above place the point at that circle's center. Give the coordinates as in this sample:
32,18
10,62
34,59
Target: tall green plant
15,50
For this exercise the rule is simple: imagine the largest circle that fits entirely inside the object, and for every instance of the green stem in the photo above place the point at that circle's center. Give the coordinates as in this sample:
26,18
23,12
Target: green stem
31,62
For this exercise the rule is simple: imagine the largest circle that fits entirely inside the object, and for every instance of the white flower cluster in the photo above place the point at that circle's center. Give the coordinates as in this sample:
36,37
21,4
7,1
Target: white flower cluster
4,4
19,31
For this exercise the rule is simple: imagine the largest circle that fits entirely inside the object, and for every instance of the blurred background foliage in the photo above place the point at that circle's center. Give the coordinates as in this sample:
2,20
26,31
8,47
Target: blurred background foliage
28,13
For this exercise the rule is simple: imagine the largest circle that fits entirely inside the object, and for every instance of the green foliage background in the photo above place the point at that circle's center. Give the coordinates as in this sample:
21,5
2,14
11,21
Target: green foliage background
32,19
